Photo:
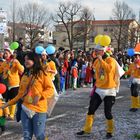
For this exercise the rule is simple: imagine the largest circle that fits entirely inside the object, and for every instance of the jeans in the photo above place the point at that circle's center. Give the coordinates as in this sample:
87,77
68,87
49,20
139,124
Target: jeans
35,126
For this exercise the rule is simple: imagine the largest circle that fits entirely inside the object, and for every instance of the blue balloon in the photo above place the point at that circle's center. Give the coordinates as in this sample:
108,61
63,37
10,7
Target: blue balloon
130,52
50,49
39,49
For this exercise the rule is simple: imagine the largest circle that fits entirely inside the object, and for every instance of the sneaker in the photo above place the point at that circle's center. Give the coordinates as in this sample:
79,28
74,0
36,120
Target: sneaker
133,109
109,135
83,134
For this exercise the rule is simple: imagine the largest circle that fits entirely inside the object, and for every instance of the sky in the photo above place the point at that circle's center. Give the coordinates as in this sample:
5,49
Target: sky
102,8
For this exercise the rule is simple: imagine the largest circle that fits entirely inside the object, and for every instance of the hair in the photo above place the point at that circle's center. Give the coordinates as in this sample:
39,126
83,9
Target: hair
37,67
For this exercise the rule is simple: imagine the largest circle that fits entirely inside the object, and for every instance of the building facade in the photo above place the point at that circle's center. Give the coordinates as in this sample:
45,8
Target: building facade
129,32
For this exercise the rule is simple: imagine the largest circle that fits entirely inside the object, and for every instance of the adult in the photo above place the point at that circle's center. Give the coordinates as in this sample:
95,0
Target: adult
34,107
11,69
20,52
134,72
105,69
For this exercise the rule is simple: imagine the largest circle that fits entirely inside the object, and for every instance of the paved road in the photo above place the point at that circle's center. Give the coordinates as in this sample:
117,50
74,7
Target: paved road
69,115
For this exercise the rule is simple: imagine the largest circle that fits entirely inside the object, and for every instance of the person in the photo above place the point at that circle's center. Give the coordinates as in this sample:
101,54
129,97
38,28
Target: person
134,72
48,65
62,78
11,69
74,72
34,107
4,113
89,76
105,68
20,52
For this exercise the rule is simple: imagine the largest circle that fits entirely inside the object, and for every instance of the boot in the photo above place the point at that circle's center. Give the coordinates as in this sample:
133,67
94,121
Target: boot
135,104
110,128
87,127
12,110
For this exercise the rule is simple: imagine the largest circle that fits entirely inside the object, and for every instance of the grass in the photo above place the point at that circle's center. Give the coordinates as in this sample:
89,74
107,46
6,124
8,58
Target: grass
137,136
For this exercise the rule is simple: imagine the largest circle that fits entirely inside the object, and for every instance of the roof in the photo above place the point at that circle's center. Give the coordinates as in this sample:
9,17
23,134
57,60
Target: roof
98,22
23,25
106,22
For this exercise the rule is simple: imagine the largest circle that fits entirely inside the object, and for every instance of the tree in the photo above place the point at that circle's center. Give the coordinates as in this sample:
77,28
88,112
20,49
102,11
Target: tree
87,26
68,15
122,16
133,34
35,17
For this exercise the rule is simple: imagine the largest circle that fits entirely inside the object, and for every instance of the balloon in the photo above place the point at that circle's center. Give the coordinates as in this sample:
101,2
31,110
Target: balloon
14,46
130,52
105,40
97,39
137,48
39,49
2,88
50,49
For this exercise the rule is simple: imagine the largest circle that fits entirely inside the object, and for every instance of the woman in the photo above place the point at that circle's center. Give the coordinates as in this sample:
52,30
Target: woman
11,69
105,69
34,107
134,72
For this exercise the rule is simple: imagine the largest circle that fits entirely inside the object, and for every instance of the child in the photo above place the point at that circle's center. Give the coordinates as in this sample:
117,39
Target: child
62,78
74,71
89,76
3,112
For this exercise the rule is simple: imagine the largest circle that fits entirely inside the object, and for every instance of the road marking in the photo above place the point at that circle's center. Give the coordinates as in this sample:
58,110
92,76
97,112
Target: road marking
7,133
87,106
119,97
56,117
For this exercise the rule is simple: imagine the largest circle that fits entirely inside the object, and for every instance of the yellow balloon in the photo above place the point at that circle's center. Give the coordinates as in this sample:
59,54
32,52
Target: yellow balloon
105,40
97,39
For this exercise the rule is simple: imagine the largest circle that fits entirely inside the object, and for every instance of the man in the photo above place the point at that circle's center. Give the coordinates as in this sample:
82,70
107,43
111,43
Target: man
20,53
105,71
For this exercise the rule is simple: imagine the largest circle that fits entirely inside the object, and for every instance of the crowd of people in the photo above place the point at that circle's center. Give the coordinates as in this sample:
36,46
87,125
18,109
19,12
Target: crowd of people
33,77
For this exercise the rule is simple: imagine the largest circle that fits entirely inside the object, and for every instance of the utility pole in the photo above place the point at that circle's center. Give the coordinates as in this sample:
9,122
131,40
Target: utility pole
13,4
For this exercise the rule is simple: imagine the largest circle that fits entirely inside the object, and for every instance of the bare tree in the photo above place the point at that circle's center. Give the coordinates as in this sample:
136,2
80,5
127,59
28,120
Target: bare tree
86,26
133,34
122,16
35,17
68,14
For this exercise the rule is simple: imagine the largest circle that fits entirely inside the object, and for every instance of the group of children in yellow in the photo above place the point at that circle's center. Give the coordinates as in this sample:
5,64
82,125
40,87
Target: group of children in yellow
33,83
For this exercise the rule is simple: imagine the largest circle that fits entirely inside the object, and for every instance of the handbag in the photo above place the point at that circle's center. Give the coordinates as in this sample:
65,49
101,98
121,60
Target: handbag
20,101
52,102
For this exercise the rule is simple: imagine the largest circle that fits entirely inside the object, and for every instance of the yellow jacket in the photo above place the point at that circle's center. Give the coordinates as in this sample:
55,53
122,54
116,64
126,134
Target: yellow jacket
133,71
52,67
42,87
5,111
11,71
106,68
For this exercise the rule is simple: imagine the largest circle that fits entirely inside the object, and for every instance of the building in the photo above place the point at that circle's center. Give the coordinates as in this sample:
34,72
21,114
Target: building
24,30
107,27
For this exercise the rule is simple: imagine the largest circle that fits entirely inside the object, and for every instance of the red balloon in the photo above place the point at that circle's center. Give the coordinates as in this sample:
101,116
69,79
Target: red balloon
2,88
137,48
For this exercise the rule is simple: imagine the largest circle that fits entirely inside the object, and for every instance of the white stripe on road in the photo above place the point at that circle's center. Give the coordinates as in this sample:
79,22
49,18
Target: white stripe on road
56,117
7,133
119,97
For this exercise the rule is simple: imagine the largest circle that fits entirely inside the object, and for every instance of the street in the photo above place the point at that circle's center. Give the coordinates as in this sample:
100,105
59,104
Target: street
69,114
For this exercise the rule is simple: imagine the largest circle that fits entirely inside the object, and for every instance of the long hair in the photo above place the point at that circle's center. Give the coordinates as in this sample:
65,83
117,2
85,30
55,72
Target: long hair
37,67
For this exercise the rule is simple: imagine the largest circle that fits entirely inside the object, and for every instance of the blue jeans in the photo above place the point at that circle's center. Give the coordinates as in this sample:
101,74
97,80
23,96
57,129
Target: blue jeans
35,126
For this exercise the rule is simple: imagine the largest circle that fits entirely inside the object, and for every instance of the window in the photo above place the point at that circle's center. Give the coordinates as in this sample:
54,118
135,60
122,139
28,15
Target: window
105,29
54,42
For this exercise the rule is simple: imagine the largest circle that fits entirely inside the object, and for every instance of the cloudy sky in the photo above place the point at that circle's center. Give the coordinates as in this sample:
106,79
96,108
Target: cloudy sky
101,8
